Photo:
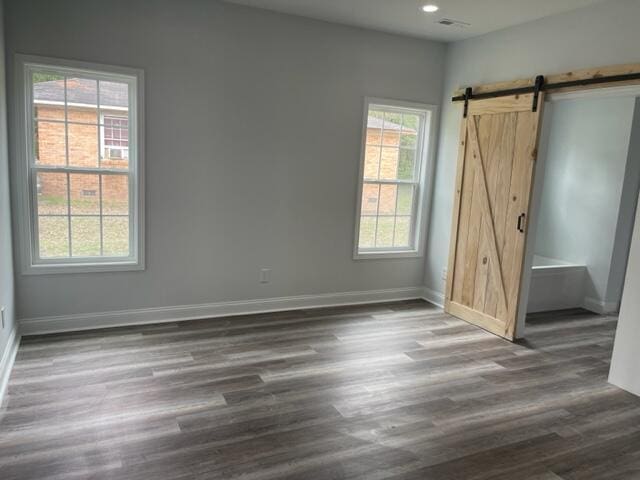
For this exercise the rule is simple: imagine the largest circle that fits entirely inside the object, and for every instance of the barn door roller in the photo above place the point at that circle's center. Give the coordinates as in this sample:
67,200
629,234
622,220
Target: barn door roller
536,92
468,93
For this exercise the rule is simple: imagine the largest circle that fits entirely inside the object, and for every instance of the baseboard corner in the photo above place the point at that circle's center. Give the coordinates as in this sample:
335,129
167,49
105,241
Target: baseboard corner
7,361
599,306
434,297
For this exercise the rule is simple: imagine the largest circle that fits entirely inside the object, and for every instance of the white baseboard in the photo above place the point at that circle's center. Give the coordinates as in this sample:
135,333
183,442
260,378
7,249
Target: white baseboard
598,306
7,360
431,296
91,321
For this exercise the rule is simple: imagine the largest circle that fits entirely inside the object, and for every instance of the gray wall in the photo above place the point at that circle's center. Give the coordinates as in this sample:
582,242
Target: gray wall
6,261
603,34
626,215
584,175
253,123
626,358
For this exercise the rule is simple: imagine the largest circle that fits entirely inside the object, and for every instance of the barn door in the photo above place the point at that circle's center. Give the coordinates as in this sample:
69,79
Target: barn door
498,147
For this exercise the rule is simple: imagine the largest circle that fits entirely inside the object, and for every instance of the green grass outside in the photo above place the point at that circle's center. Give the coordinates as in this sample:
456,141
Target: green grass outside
384,236
57,205
85,231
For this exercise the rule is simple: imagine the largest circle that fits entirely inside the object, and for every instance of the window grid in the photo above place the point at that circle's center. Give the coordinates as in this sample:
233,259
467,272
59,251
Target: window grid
66,144
101,217
70,122
99,176
414,193
68,170
99,156
397,182
403,219
95,215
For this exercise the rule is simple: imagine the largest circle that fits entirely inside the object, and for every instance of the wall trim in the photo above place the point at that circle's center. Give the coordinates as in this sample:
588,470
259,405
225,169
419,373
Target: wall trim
91,321
598,306
7,361
432,296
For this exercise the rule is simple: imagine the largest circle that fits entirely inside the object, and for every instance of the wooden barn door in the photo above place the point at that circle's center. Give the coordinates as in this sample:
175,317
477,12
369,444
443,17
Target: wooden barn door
496,161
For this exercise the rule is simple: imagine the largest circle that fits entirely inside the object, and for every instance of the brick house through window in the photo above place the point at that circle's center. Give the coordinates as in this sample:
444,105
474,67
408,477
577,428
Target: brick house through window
95,137
390,212
81,154
387,145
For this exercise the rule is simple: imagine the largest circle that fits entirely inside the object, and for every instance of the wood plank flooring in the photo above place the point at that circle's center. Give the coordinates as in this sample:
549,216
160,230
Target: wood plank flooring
393,391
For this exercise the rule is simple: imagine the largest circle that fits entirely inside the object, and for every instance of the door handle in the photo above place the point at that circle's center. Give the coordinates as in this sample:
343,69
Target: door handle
521,223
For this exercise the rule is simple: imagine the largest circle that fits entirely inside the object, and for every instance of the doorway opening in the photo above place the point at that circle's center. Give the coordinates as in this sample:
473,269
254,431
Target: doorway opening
584,202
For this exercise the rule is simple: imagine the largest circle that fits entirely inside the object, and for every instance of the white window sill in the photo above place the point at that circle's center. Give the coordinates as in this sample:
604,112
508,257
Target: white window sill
61,268
373,255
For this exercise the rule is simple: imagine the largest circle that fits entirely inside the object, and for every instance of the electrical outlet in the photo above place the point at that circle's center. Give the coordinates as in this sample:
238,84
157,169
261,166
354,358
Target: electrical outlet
444,274
2,315
265,275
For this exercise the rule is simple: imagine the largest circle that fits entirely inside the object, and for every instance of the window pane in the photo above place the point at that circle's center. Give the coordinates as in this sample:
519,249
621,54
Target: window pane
48,95
391,138
370,193
82,100
405,199
85,194
53,237
82,115
83,145
406,164
410,122
114,98
85,236
115,194
387,200
49,143
374,127
367,232
389,163
51,193
115,236
392,120
402,232
409,140
384,235
392,127
371,162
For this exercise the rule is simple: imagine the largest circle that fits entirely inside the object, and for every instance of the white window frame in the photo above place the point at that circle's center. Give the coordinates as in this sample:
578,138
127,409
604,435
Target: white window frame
424,175
26,193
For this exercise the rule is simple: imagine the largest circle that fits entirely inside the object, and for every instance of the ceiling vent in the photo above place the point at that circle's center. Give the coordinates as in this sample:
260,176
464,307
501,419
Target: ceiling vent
453,23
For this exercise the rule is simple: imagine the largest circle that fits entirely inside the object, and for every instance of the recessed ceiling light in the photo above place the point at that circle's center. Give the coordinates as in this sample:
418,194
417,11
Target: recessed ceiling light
430,8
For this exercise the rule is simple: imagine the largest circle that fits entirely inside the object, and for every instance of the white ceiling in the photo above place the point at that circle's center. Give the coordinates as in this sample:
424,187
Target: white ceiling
405,16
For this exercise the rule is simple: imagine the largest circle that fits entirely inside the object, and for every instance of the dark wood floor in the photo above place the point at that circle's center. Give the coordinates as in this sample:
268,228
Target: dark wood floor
397,391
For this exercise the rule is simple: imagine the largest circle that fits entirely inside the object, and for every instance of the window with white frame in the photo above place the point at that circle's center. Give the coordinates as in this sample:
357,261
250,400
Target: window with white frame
392,180
82,167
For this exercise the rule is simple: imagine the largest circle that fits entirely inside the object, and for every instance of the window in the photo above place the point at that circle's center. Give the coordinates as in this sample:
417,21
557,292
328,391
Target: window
82,167
391,209
115,137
